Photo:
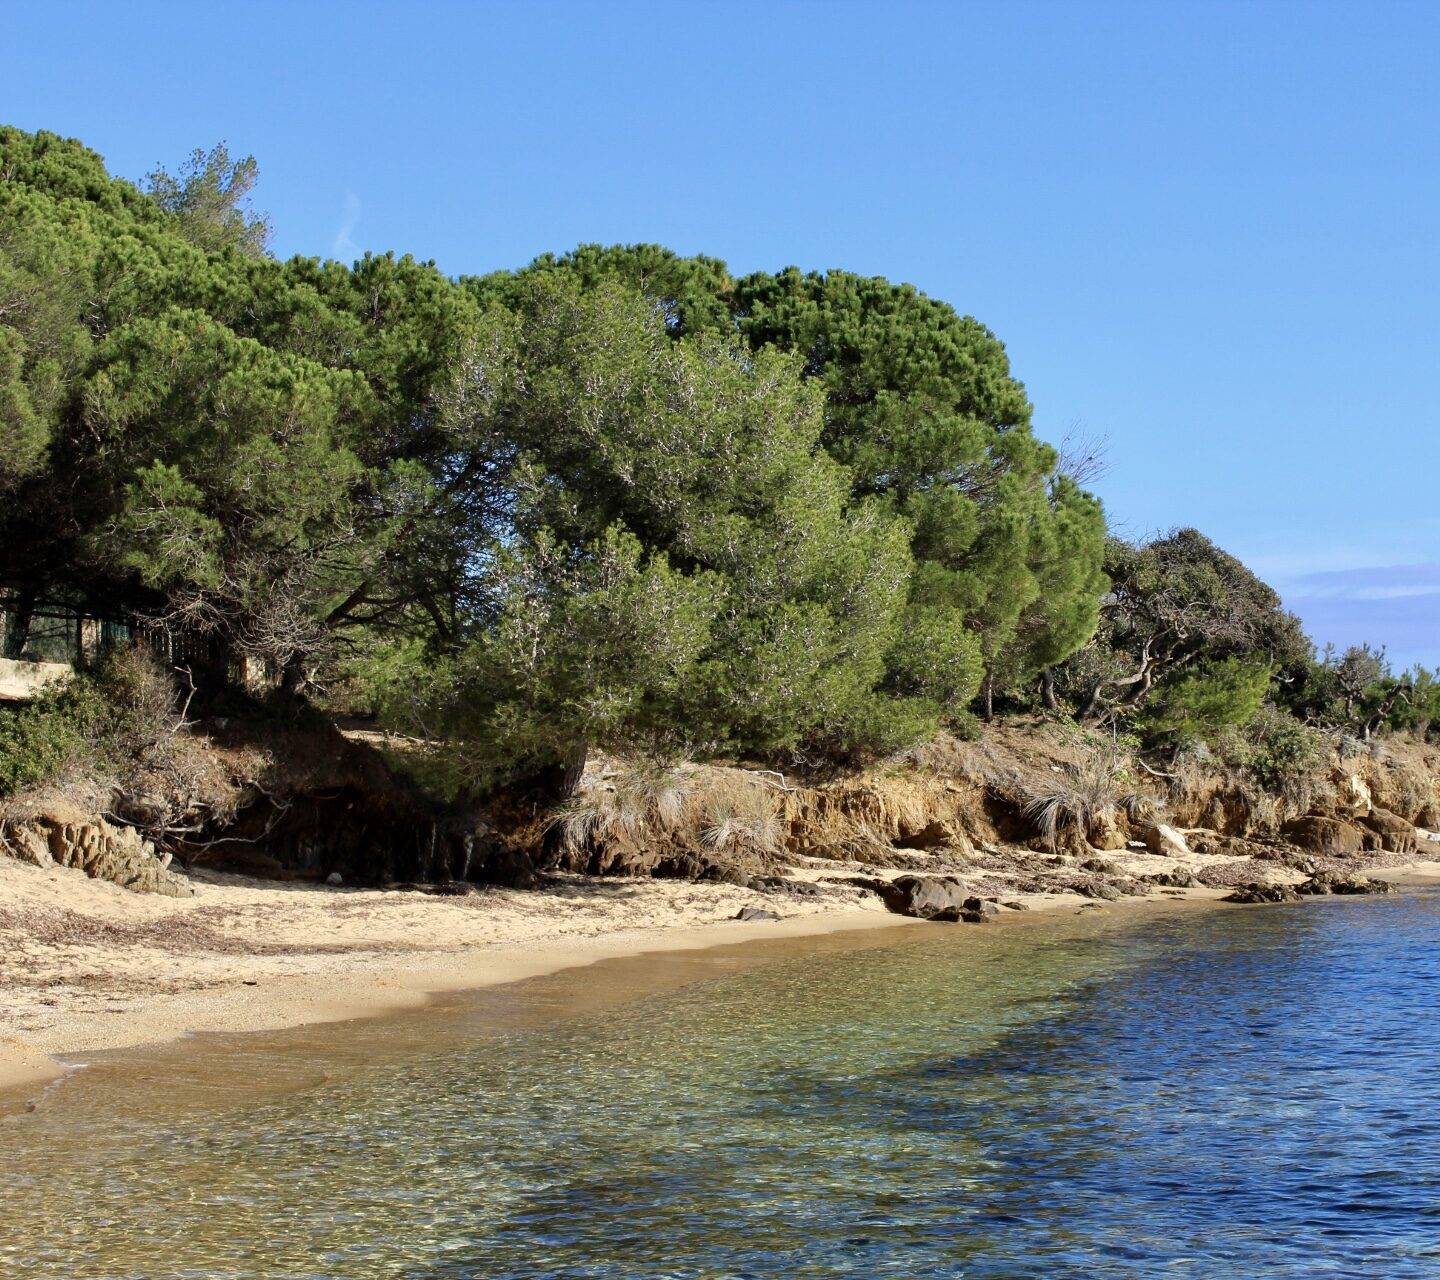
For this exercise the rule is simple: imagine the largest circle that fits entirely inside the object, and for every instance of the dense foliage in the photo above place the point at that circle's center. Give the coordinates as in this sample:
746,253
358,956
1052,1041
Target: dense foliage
615,499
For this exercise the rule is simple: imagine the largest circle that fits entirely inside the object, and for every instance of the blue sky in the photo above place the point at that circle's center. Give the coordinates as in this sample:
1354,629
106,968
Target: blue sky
1206,232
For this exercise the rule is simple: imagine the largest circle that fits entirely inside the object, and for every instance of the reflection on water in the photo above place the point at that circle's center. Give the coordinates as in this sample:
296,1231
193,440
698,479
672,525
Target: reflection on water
1210,1094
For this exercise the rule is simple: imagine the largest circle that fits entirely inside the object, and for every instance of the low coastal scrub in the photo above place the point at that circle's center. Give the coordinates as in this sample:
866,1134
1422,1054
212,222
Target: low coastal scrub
1087,799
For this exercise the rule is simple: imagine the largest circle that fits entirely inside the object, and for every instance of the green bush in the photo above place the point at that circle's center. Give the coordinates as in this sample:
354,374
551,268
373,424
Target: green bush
1280,752
42,740
1202,703
110,721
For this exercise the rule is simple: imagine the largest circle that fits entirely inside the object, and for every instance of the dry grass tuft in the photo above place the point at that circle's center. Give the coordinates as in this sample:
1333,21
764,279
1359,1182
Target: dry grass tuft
639,801
1097,790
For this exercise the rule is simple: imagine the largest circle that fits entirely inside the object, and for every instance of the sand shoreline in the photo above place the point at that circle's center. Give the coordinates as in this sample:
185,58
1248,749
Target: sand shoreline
102,969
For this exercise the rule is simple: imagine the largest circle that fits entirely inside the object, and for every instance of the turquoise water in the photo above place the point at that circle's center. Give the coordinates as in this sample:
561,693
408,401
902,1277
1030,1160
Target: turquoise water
1216,1093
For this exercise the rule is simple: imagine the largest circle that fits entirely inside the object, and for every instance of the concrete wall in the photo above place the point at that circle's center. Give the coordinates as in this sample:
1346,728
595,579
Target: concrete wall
20,681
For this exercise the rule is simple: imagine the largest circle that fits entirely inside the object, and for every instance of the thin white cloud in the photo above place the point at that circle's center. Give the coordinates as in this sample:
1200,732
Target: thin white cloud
1409,592
343,246
1362,550
1369,582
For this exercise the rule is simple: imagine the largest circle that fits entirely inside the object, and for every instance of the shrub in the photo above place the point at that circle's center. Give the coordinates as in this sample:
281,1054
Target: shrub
50,736
115,722
647,799
1202,703
1283,755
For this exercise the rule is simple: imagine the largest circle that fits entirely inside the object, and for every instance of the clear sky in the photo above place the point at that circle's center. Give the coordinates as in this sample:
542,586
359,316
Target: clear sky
1206,232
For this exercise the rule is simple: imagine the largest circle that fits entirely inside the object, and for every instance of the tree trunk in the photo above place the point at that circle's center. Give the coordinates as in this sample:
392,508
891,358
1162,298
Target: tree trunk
987,697
18,634
1047,690
574,769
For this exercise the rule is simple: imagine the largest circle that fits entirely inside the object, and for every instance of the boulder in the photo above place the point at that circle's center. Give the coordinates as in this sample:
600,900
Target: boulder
933,898
1164,841
1104,833
981,914
924,897
1396,834
1258,892
755,913
1332,836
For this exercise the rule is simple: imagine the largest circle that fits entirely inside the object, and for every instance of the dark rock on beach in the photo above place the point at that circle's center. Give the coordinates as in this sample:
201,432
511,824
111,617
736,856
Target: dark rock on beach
780,884
941,898
1338,882
755,913
1257,892
925,897
1177,879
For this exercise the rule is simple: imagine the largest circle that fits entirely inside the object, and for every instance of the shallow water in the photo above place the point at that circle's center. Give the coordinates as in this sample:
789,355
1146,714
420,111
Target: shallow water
1212,1093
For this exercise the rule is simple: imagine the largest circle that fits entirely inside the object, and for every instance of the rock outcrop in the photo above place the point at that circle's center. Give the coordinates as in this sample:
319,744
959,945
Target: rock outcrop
94,846
1104,833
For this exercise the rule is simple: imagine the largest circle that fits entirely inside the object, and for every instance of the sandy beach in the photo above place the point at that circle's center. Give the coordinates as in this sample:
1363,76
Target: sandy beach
87,966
